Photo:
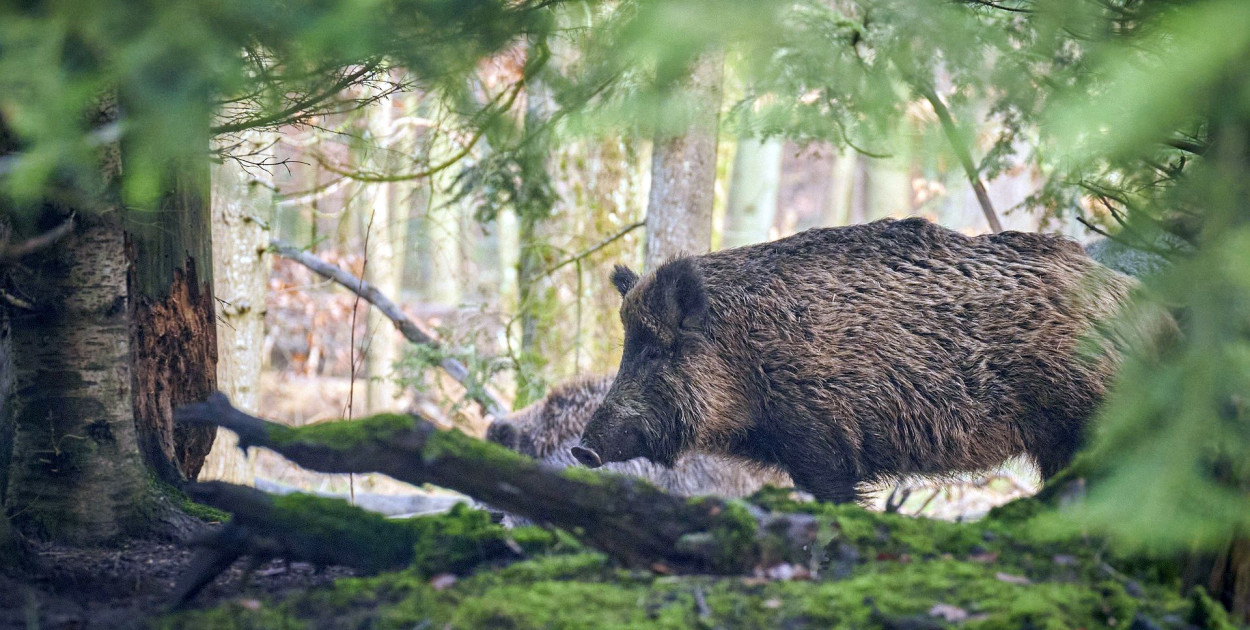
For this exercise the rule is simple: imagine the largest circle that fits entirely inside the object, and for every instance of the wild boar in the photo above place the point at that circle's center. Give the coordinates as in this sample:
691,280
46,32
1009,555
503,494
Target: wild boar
861,354
547,429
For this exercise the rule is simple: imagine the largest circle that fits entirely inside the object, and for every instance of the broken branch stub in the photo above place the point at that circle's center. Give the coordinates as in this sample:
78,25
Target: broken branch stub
627,518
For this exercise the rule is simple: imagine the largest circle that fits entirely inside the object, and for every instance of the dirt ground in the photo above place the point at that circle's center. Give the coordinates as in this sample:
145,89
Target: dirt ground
127,586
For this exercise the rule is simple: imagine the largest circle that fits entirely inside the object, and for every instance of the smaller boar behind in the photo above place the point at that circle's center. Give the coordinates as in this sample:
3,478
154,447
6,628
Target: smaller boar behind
862,354
549,428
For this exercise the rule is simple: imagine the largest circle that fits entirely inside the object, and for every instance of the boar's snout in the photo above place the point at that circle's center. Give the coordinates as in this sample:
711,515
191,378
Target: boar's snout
610,438
587,457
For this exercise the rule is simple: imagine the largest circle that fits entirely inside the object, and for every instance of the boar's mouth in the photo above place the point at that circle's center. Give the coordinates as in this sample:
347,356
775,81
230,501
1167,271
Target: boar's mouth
587,457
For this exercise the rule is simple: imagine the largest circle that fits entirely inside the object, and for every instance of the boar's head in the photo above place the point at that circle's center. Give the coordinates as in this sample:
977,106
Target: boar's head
656,406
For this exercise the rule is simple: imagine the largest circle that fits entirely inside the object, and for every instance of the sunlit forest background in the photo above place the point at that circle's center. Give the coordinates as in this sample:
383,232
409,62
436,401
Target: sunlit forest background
385,189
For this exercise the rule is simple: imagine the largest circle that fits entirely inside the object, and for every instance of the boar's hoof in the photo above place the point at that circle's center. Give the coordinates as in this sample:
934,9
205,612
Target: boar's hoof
587,457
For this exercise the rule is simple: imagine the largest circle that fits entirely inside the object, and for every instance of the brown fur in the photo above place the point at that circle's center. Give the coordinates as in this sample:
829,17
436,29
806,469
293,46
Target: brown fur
547,429
857,354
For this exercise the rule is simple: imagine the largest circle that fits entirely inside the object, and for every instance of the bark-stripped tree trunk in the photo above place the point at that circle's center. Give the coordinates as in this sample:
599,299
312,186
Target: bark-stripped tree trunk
752,206
174,342
242,211
683,172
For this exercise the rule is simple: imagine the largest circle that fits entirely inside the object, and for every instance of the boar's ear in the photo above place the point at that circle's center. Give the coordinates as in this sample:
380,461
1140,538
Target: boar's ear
503,432
623,278
684,298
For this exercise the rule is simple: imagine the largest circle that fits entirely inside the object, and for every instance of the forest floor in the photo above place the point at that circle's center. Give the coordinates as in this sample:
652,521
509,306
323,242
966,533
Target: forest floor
870,570
129,585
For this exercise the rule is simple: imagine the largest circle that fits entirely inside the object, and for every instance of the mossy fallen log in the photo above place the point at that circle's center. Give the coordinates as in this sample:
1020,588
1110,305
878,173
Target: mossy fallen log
630,520
877,571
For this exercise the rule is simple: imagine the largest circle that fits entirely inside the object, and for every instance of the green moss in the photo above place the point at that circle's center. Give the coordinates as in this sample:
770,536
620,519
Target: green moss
345,434
446,543
582,591
585,475
206,513
1207,613
457,444
233,616
456,541
373,540
879,571
734,540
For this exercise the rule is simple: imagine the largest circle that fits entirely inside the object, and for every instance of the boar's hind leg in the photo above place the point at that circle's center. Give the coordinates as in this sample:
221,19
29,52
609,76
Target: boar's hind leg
1053,455
832,486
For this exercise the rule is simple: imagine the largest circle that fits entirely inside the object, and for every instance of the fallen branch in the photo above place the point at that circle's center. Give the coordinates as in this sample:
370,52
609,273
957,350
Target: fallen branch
626,518
392,505
962,153
327,532
411,330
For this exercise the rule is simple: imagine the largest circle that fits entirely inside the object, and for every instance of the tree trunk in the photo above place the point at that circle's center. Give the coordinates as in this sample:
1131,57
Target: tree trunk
174,339
6,393
242,212
752,207
77,474
683,172
384,256
841,188
10,552
439,244
119,330
534,208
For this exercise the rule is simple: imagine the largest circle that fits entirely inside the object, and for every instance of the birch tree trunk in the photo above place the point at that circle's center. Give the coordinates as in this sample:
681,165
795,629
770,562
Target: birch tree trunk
439,244
242,209
386,231
120,330
752,207
76,474
683,173
841,189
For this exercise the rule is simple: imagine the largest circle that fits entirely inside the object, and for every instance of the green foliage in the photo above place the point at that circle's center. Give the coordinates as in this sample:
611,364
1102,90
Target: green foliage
1169,464
169,65
421,369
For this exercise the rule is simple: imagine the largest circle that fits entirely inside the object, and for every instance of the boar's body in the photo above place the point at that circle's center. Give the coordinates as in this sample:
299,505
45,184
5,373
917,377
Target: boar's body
859,354
547,429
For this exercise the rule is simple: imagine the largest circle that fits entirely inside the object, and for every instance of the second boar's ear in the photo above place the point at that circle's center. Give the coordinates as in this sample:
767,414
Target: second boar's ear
503,432
684,296
623,278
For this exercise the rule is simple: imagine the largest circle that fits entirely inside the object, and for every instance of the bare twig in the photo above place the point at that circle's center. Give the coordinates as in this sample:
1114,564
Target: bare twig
596,247
962,152
411,330
1000,7
17,250
300,109
381,178
1187,145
